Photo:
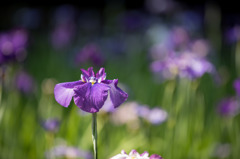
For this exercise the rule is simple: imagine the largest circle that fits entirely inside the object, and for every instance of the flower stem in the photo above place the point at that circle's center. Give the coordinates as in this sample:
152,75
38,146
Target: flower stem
2,108
94,134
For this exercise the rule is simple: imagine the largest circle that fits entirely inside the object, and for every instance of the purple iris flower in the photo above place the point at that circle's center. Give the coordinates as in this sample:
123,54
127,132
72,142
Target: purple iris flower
91,92
237,86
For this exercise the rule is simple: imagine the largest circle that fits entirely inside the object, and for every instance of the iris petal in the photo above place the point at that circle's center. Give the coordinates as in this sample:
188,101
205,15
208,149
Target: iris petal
63,92
117,95
91,98
101,75
85,73
90,71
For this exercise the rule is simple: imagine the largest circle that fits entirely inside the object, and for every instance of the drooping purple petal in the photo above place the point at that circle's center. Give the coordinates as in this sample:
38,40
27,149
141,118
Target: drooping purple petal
117,95
91,98
63,92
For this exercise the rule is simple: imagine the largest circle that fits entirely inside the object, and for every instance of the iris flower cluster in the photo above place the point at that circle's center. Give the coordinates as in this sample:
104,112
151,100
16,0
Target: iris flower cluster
176,55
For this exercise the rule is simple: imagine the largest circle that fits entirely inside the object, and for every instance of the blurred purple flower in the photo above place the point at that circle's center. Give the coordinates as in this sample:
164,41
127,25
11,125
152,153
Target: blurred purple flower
157,116
64,26
51,125
127,113
91,92
62,35
228,107
237,86
166,69
200,47
13,45
222,150
233,34
179,38
176,55
194,67
188,65
68,152
143,111
90,53
154,116
131,111
24,82
134,154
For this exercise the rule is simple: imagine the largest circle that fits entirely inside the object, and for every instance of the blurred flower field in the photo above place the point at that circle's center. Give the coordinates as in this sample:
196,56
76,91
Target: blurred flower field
180,67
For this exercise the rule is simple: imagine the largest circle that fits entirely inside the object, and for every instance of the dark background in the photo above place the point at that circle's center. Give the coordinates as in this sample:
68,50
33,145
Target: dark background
229,10
227,6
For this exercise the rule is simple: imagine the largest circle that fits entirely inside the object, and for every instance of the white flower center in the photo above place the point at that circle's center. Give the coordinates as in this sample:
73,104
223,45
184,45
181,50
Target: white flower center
92,80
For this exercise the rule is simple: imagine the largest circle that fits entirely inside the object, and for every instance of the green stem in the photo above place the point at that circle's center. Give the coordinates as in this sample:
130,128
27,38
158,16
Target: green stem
1,82
2,109
94,134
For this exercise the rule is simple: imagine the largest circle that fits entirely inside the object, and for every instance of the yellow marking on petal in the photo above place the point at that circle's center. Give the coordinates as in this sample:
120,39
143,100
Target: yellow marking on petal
93,81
